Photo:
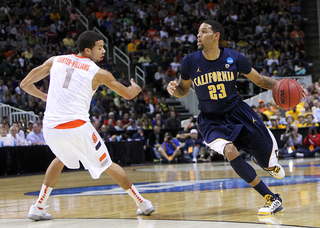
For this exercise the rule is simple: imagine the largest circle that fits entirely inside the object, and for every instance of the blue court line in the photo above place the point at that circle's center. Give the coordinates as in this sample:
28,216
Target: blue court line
182,186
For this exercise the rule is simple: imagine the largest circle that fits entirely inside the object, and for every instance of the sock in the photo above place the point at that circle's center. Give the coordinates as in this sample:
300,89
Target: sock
243,169
247,173
263,189
43,196
134,193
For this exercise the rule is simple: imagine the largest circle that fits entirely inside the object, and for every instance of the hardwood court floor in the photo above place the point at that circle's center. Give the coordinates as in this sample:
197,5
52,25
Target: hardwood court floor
184,195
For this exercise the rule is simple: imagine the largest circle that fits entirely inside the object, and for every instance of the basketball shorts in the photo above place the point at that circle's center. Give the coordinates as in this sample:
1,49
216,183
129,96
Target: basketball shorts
79,144
242,127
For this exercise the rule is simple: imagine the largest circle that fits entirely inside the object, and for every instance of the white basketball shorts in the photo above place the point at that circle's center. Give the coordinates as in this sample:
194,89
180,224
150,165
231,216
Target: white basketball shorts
79,144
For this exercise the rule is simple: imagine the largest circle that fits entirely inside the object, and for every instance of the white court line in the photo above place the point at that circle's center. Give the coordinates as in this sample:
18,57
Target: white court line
128,223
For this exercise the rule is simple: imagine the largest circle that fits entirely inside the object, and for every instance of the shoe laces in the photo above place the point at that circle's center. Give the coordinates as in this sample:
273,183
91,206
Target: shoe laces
269,199
276,169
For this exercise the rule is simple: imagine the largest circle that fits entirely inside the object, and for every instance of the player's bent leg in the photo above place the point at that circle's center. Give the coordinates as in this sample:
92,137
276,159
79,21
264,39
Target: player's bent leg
38,211
121,178
247,173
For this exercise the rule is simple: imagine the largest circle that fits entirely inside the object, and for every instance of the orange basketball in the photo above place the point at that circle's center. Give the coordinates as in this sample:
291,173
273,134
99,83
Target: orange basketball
287,93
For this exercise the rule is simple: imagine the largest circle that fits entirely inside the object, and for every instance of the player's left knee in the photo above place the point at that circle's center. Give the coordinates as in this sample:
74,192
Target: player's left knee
231,152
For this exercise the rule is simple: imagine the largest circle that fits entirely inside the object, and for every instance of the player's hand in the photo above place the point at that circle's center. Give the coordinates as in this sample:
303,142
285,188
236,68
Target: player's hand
172,87
136,87
44,98
304,95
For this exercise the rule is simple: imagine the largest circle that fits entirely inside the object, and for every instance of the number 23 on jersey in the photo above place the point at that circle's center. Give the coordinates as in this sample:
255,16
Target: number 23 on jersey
217,91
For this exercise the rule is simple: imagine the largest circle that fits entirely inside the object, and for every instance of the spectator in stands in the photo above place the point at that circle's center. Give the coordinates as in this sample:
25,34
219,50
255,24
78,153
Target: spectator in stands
123,108
133,125
125,120
292,139
172,122
155,140
262,106
144,61
274,123
36,136
311,144
170,148
5,139
293,112
310,120
68,41
158,79
192,147
140,105
105,135
306,108
270,110
111,117
158,117
98,108
301,120
119,126
145,122
96,117
316,113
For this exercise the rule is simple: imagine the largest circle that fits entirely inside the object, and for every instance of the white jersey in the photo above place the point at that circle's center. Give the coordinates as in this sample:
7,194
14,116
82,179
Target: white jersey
70,90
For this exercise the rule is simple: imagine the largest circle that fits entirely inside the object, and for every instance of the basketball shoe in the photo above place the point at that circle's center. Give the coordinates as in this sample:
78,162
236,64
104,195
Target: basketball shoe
278,171
37,214
273,205
145,208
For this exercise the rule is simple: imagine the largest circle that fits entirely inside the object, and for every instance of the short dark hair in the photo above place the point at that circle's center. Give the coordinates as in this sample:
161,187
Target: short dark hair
88,39
216,27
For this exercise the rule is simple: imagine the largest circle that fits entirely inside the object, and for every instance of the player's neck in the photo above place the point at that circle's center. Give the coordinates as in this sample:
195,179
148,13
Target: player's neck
211,54
82,55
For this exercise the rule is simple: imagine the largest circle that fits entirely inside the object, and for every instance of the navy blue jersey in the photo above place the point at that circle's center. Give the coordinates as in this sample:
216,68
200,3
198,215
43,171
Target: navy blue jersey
215,81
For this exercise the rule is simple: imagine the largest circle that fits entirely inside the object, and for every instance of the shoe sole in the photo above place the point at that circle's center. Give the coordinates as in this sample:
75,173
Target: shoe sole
34,217
37,217
149,211
270,213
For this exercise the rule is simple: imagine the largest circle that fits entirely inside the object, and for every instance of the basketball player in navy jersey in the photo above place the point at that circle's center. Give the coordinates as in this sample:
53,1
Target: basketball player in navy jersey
226,123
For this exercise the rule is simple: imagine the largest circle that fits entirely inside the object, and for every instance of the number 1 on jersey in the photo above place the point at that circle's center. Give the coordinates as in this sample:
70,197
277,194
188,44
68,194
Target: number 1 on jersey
68,78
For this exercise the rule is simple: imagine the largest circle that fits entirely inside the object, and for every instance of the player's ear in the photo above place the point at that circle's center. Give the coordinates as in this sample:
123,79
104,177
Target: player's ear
216,35
87,51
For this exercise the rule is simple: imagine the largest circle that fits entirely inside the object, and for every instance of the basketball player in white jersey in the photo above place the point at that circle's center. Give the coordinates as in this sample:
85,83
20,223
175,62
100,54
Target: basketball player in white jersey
67,128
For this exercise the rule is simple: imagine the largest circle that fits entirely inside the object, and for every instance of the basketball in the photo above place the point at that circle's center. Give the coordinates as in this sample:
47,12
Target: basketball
287,93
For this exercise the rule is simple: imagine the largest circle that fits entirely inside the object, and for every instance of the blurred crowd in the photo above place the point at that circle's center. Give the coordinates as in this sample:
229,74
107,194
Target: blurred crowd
156,36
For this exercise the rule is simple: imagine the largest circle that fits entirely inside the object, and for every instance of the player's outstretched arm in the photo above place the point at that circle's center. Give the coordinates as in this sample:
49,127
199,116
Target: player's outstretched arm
260,80
35,75
104,77
179,88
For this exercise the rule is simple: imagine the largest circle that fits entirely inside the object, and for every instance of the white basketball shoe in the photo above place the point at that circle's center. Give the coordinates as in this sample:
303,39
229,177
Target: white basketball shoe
278,171
145,208
37,214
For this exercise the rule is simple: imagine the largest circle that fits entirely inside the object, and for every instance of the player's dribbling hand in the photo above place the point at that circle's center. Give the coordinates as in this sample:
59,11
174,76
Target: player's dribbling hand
172,87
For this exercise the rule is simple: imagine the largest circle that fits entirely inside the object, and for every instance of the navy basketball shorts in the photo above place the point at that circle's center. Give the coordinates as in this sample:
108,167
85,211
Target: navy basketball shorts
242,127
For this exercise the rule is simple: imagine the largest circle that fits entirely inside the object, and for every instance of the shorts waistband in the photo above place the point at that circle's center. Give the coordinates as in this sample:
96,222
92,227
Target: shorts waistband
71,124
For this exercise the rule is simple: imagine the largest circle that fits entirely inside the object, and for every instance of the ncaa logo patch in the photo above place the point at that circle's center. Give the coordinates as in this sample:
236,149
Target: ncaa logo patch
230,60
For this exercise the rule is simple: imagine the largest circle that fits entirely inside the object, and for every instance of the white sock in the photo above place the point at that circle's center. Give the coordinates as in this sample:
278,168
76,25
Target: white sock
43,196
134,193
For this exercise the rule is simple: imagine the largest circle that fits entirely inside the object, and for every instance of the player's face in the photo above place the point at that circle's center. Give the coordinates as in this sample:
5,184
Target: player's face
206,37
97,52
